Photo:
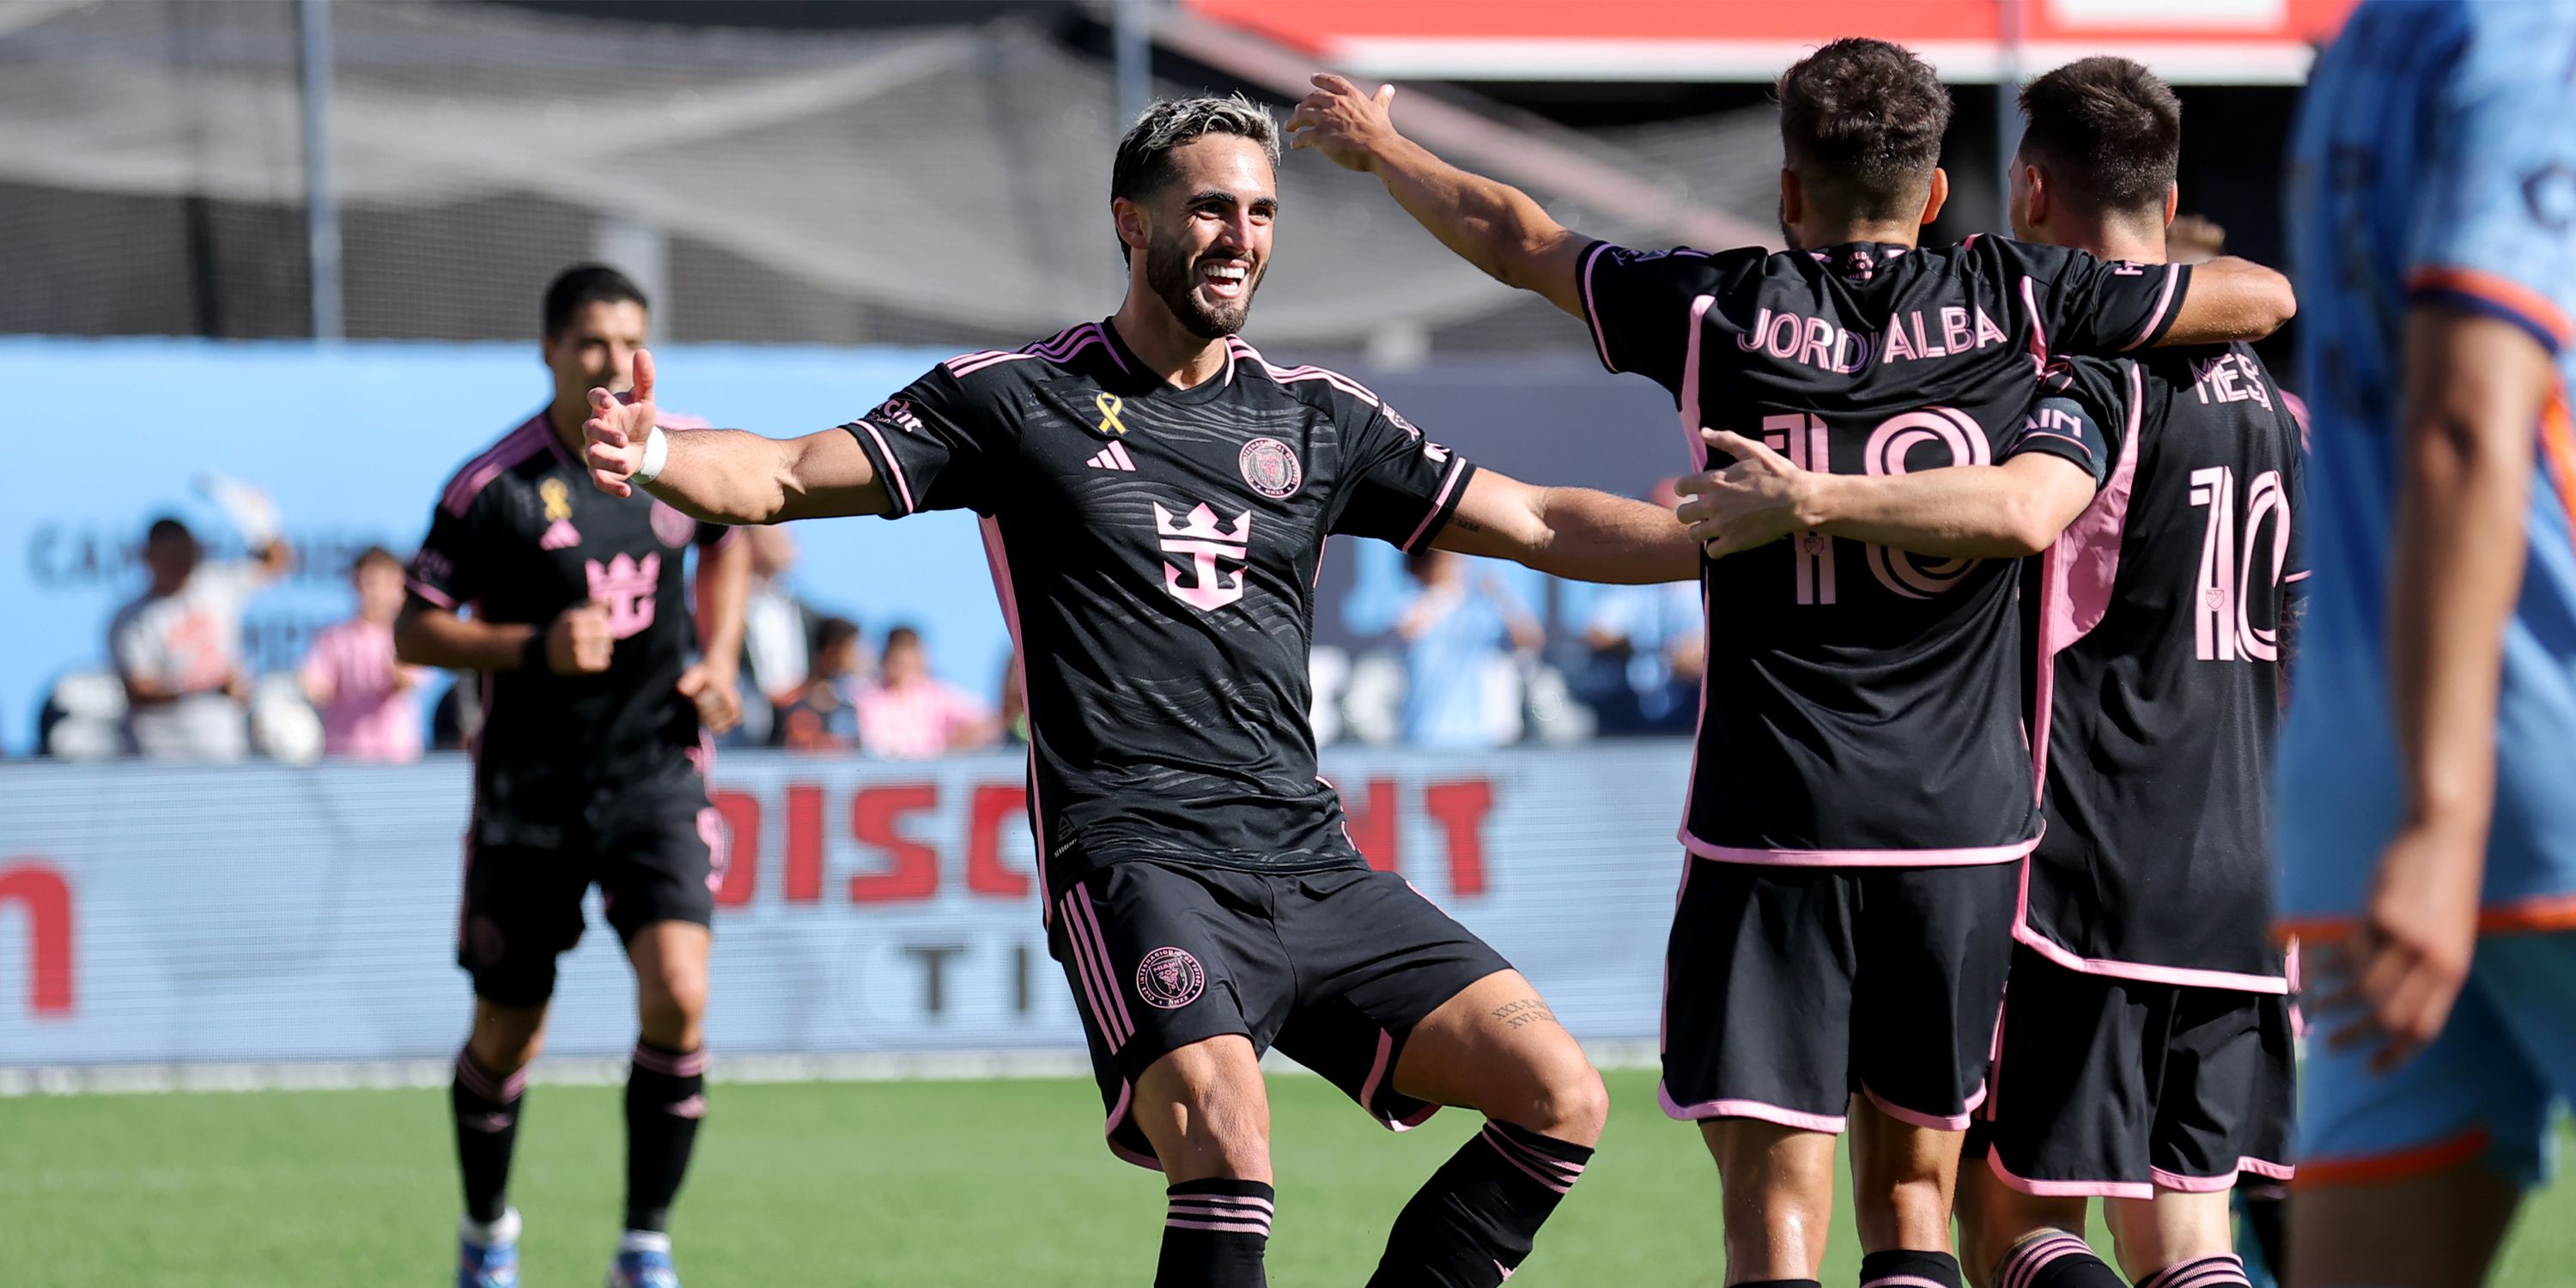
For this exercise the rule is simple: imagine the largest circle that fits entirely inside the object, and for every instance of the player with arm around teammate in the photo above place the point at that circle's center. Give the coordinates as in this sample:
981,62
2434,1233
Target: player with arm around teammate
1155,496
589,769
1863,788
2146,1056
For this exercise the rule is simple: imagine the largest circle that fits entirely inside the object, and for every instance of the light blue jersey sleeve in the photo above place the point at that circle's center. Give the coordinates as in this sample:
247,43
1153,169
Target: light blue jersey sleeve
2494,226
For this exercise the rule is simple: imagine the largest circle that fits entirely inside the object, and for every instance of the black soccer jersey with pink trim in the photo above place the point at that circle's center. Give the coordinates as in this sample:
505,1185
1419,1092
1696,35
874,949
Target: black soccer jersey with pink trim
2157,621
1156,551
1861,705
519,535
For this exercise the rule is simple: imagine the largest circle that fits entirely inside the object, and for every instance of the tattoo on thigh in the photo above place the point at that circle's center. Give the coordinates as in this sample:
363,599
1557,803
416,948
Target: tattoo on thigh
1528,1010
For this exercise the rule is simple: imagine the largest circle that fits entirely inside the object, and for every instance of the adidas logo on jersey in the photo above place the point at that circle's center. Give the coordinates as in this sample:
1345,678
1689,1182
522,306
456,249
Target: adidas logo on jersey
1113,457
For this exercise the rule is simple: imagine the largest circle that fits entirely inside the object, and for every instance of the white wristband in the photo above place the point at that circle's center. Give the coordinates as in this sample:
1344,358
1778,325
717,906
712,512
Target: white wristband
657,453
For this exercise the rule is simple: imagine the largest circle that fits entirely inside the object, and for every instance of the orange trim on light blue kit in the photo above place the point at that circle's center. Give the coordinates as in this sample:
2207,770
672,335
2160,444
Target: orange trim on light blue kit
2392,1165
2535,915
2558,448
2503,292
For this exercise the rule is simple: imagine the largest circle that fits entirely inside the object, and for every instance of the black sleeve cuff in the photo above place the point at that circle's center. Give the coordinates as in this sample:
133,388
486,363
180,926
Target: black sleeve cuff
1591,315
1444,504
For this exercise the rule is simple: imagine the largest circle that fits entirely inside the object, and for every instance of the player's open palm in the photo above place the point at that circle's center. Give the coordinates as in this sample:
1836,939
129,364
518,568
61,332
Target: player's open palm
617,429
1751,503
1343,122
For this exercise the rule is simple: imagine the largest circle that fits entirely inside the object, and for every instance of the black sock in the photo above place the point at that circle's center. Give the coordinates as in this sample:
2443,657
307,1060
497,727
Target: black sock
2265,1209
665,1098
1906,1268
1214,1234
2056,1259
487,1126
1473,1221
2221,1271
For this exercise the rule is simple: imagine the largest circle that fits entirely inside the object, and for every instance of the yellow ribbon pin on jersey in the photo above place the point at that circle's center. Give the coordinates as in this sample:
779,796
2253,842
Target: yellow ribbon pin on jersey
1109,404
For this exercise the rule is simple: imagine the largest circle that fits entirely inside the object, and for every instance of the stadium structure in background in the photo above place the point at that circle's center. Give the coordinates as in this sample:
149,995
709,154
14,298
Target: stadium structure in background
914,173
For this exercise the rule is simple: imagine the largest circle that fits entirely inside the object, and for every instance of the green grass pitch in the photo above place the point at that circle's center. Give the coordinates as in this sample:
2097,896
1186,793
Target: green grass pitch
921,1184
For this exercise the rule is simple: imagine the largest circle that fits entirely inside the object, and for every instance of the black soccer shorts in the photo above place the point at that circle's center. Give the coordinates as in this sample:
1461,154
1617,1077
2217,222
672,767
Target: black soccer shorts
1790,990
2115,1088
1334,968
656,853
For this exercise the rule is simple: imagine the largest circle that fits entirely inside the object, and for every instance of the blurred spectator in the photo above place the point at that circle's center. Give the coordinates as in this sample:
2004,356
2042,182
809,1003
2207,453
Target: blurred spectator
778,639
778,630
822,715
368,701
83,718
911,714
1643,650
177,647
1646,646
1462,687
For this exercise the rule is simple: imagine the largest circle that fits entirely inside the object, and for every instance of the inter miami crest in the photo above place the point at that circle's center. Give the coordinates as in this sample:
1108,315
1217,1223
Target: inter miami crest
1270,468
1170,978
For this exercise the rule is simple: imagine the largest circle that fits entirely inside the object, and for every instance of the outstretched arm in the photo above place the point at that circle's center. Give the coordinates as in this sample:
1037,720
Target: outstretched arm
1570,532
725,475
1969,511
1492,225
2231,299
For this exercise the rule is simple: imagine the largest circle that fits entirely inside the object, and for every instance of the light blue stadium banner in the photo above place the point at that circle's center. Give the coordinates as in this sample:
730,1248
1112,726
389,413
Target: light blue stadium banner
259,913
353,443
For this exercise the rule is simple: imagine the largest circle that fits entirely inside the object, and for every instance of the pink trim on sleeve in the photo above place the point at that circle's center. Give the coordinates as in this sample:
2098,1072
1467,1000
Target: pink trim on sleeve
903,487
2164,302
1457,466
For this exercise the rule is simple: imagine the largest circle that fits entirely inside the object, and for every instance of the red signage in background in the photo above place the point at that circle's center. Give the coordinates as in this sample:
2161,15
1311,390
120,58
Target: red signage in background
913,850
36,889
2226,42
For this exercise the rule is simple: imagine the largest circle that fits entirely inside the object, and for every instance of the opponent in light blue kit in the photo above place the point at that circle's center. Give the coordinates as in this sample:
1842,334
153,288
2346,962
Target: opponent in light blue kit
2428,774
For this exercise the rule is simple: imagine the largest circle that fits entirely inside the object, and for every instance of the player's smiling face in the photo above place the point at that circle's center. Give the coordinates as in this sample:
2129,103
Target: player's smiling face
1208,232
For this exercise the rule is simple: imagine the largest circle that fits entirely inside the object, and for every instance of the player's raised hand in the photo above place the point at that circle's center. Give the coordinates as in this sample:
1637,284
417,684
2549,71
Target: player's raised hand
1751,503
578,641
1345,123
617,429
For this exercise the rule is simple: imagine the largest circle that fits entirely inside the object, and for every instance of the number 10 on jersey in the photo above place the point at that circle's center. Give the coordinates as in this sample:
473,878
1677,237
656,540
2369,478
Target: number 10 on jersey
2221,627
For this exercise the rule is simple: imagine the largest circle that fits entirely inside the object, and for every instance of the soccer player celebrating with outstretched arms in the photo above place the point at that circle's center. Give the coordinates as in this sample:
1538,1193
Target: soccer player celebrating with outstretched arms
1155,498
